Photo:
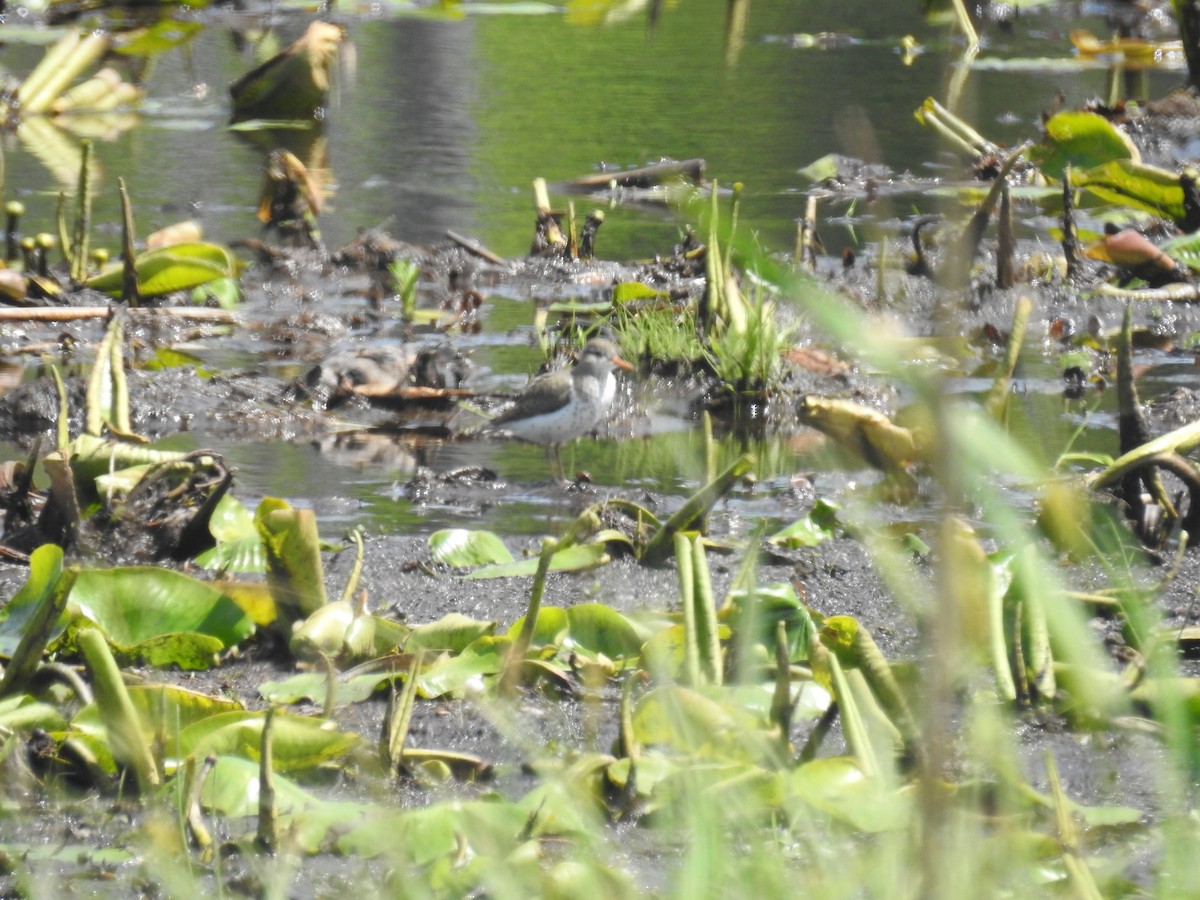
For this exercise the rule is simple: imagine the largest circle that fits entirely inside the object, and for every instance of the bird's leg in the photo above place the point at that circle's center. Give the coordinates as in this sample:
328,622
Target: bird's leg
554,461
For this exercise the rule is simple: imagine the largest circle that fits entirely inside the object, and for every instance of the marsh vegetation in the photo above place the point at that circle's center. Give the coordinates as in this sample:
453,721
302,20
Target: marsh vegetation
877,579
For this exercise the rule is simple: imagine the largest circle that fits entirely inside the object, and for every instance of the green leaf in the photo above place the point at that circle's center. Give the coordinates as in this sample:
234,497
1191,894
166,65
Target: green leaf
121,725
663,654
323,634
22,713
231,521
163,35
1131,183
550,628
1099,459
465,766
170,358
169,708
652,767
818,526
45,568
121,481
453,632
560,805
68,855
590,628
92,457
576,558
293,550
187,649
254,597
405,276
839,787
451,674
765,606
579,308
231,789
424,835
107,391
179,267
690,722
312,686
821,169
298,742
140,603
627,291
465,549
1185,249
225,292
597,628
253,125
239,547
1082,140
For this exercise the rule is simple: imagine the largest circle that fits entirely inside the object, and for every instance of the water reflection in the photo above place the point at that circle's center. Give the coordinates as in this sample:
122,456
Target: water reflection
404,139
442,124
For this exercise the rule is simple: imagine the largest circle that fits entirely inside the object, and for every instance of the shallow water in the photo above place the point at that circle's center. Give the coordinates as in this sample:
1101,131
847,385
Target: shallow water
441,123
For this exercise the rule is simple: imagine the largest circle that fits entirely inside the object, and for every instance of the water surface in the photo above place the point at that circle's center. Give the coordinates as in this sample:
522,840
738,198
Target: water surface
441,123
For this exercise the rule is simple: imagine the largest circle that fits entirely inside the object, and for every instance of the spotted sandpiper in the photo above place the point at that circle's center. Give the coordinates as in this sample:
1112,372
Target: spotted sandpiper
560,406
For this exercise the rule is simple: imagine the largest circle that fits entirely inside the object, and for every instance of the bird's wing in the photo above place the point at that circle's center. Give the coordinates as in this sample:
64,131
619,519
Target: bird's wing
545,394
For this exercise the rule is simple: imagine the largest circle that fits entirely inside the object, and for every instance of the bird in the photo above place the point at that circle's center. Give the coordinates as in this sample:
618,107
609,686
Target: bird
558,407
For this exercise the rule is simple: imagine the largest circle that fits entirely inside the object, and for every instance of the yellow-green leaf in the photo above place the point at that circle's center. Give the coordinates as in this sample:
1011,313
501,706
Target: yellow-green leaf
1082,140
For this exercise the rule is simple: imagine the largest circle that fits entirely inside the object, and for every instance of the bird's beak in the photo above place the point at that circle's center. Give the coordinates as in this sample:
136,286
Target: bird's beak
623,364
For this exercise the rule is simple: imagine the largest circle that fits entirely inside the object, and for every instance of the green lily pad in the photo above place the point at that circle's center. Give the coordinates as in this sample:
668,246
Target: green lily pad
818,526
225,292
597,628
837,786
1081,140
163,35
690,722
1185,249
465,549
179,267
665,652
298,742
550,628
312,686
453,632
190,651
629,291
1134,184
590,628
821,169
293,549
68,854
576,558
579,308
451,674
45,568
22,713
170,358
239,546
137,604
652,767
424,835
231,790
172,707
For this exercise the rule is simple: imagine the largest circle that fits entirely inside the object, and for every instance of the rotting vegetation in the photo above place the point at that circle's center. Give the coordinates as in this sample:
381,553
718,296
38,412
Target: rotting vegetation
732,722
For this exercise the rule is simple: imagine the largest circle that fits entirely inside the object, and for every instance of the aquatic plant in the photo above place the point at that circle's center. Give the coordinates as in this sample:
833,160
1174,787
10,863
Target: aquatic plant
761,745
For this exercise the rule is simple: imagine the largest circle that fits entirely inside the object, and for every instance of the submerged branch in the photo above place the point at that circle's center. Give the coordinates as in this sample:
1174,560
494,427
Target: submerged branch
1182,292
644,177
75,313
475,248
